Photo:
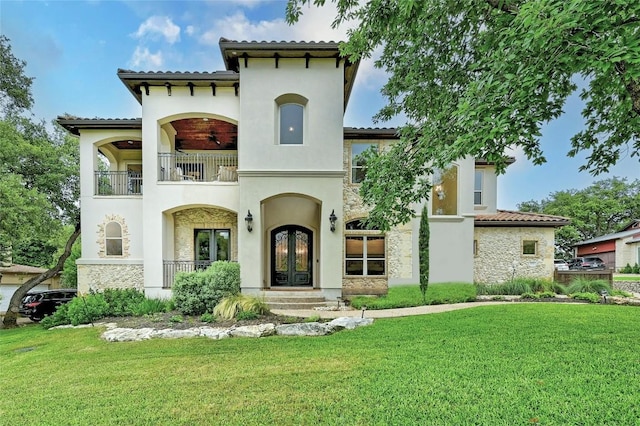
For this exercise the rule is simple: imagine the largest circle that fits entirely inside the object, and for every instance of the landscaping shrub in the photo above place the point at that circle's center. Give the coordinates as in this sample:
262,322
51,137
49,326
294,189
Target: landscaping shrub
405,296
233,306
589,297
59,317
122,301
86,309
151,306
582,285
195,293
514,288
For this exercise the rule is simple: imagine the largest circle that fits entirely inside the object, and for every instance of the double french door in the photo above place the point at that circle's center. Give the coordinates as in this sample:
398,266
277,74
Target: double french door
291,254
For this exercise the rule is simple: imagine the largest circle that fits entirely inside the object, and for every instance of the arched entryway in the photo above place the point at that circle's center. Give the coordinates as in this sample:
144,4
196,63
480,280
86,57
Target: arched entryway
291,256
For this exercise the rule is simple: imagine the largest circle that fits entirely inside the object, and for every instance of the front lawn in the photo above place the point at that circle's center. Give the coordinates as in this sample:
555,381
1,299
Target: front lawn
511,364
406,296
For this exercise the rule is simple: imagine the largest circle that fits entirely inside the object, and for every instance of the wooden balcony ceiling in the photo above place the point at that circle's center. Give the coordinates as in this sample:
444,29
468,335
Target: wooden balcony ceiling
205,134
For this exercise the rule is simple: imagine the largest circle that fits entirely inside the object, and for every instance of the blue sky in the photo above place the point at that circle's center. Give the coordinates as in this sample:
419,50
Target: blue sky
74,48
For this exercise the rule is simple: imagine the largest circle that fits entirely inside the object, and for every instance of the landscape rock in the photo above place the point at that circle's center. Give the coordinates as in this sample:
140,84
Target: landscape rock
169,333
260,330
214,333
350,323
128,334
304,329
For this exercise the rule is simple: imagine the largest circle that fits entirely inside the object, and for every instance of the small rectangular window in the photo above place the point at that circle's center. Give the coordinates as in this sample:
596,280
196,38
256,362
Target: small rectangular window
477,188
475,247
529,247
357,162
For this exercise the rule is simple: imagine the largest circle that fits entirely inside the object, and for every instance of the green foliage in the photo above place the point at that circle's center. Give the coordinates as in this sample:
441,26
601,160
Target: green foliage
478,78
150,307
232,306
599,209
410,295
583,285
246,315
15,86
207,317
198,292
628,269
314,318
529,296
514,288
59,317
86,309
195,293
176,319
423,252
122,302
589,297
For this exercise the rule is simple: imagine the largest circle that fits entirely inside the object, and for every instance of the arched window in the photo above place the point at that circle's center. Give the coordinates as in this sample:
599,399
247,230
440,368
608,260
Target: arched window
444,193
365,251
291,119
113,239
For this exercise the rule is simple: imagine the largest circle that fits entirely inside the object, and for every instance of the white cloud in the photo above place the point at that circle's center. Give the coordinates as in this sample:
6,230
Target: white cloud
142,58
159,26
190,30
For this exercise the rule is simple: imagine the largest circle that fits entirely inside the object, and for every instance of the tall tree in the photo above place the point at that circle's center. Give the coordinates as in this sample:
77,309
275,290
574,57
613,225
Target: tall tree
423,252
478,77
39,187
602,208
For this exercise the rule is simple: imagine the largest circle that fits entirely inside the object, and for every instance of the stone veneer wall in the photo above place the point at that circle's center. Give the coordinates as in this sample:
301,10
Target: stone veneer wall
499,250
630,286
398,240
186,221
98,277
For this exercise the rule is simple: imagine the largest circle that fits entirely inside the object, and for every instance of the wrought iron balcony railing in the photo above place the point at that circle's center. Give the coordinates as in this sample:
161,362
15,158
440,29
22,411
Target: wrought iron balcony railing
117,183
198,167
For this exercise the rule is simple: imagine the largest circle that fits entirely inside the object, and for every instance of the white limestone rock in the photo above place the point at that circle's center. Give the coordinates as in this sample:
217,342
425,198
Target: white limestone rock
304,329
260,330
214,333
350,323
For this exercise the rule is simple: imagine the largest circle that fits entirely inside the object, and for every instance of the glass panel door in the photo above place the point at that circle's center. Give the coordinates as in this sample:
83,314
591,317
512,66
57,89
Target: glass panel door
291,256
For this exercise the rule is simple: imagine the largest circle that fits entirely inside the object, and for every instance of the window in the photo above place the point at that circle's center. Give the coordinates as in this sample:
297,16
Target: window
477,188
444,193
529,247
113,239
212,245
357,162
291,122
364,254
475,247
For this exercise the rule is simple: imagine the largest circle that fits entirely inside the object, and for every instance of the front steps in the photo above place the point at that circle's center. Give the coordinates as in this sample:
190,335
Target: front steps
292,299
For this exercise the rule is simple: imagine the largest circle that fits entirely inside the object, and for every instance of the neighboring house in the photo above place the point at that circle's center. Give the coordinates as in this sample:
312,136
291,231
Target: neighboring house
617,249
253,164
13,276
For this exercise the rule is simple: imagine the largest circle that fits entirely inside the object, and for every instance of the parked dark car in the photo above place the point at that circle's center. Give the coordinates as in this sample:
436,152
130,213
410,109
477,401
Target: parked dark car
37,304
589,262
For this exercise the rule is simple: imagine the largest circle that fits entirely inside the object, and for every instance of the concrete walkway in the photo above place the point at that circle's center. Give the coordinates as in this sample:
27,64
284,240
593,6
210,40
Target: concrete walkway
385,313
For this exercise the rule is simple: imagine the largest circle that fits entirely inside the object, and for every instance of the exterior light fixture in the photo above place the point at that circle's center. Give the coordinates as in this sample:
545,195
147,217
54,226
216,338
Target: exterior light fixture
249,220
332,220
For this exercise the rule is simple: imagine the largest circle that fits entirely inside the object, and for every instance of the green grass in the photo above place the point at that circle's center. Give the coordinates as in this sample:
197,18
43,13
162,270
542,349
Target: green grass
627,277
512,364
409,295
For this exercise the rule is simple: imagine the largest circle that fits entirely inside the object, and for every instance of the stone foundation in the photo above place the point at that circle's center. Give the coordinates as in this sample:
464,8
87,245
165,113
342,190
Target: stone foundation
364,286
99,277
630,286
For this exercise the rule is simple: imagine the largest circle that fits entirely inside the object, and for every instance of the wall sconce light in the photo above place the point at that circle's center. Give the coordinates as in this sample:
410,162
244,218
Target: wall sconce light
332,220
249,220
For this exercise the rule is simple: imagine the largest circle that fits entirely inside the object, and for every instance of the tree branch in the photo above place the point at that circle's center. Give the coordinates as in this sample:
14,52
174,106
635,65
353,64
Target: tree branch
503,5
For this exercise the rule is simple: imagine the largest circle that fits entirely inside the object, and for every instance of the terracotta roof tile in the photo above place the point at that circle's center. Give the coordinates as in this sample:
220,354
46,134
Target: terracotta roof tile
22,269
511,218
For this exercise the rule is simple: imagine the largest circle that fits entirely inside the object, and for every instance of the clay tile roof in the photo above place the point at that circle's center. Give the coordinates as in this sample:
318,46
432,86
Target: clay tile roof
22,269
511,218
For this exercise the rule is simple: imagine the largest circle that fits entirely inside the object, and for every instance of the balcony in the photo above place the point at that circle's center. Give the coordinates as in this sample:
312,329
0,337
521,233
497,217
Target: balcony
117,183
197,167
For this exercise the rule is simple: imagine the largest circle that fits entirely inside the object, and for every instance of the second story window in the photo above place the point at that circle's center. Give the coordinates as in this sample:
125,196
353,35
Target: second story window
357,161
444,193
477,188
291,122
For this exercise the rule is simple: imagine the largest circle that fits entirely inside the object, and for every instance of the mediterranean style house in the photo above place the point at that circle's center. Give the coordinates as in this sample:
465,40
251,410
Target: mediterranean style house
254,164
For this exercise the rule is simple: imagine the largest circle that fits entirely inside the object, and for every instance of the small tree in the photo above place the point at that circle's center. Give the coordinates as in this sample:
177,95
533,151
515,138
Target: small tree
423,252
